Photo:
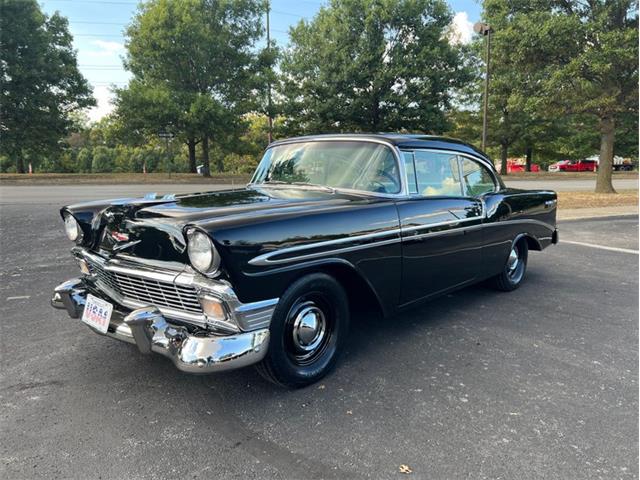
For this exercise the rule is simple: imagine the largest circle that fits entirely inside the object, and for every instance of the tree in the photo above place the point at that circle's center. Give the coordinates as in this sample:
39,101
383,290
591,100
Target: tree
195,61
585,56
148,109
372,65
40,83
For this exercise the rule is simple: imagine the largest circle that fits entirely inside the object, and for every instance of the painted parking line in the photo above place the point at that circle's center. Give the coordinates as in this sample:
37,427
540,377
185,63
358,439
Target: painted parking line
601,247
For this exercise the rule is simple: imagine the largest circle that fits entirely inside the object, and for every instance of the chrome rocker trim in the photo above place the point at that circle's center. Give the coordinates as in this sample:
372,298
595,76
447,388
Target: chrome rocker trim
148,329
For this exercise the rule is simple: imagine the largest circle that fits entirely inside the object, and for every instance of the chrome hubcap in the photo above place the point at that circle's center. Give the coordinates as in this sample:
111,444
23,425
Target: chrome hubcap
309,327
512,263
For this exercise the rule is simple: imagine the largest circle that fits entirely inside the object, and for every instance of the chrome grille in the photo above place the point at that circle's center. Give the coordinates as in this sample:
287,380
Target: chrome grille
148,291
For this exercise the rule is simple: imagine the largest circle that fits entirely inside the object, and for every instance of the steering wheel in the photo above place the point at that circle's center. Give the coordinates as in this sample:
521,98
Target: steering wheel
381,186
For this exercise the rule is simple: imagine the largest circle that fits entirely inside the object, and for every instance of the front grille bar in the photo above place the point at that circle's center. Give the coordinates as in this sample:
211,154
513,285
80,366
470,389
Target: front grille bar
146,290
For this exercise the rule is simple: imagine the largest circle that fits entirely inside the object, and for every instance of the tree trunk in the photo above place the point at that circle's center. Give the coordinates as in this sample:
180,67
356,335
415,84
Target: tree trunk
219,162
504,150
528,155
191,145
206,171
604,181
19,163
375,115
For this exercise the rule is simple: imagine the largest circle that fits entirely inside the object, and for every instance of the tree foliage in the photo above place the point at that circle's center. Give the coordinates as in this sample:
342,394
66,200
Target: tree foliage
371,65
40,83
194,65
576,58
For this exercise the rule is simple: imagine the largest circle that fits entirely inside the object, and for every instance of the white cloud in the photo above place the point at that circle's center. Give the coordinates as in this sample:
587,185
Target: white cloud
461,29
104,98
105,49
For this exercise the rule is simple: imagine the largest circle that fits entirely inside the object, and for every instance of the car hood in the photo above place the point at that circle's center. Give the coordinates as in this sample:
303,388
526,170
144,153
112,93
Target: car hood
153,227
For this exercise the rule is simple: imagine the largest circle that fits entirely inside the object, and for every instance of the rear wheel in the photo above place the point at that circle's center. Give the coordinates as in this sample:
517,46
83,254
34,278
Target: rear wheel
308,330
514,270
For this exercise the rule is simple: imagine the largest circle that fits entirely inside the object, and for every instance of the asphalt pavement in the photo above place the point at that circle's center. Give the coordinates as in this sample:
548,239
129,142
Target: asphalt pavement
538,383
60,194
569,185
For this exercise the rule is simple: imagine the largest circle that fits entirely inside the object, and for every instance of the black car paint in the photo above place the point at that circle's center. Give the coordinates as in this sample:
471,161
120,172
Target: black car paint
404,249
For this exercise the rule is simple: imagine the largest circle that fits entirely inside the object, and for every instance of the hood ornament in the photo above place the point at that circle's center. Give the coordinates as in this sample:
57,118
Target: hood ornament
122,237
119,236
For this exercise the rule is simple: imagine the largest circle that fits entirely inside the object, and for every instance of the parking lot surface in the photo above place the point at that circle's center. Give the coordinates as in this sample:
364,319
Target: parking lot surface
59,194
538,383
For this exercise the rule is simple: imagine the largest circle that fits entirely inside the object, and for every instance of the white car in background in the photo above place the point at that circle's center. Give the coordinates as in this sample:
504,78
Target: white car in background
619,163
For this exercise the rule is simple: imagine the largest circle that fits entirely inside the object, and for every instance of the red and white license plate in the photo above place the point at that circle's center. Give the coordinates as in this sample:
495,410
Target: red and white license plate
97,313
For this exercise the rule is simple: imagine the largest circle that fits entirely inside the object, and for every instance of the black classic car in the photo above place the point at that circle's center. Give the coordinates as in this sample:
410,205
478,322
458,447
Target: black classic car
267,274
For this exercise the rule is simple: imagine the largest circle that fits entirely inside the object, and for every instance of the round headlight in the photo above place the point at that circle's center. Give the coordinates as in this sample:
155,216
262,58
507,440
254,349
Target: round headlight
202,254
72,228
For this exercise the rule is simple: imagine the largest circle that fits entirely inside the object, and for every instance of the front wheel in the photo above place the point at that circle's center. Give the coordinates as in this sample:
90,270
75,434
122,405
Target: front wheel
308,329
514,270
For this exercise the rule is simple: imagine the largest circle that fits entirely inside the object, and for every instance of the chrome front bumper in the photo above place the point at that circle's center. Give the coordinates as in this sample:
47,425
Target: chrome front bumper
147,328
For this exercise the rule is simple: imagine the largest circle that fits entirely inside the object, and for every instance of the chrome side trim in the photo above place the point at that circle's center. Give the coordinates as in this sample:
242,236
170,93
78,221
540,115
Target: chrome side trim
520,221
266,258
440,224
267,261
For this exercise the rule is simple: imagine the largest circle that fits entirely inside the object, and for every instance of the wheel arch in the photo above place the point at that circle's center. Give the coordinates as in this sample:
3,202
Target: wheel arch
532,242
358,289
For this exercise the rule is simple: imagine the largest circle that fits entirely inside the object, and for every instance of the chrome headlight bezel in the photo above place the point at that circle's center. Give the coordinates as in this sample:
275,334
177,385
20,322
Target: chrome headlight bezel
72,228
202,253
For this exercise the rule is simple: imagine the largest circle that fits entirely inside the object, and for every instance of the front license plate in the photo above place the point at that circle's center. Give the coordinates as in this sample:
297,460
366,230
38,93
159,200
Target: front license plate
97,313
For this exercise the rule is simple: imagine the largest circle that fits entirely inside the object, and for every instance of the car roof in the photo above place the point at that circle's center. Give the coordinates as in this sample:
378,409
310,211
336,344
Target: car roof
400,140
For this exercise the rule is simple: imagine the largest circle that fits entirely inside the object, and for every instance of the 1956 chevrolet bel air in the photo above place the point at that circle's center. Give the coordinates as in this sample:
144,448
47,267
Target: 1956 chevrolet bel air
266,274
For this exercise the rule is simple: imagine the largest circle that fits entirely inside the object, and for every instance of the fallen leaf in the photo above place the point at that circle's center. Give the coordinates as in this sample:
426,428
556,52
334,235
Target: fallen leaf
405,469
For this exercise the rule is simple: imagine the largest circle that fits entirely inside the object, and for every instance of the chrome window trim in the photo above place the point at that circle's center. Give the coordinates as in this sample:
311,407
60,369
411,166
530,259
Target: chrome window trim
482,161
496,184
396,153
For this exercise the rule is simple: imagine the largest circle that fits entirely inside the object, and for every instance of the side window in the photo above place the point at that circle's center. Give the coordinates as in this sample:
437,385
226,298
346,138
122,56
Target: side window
476,178
409,167
437,174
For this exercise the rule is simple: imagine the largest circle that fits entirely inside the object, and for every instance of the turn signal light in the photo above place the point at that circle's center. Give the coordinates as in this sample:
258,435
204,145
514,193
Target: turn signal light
84,266
212,308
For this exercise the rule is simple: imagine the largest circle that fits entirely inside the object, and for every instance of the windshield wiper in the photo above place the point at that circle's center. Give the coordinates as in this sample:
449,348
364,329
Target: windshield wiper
297,184
307,184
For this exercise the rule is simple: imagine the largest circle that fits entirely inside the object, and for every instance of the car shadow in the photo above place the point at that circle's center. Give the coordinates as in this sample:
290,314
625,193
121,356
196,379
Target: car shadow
372,337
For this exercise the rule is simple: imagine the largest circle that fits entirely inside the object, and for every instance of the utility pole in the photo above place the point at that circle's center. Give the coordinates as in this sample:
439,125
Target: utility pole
485,30
269,119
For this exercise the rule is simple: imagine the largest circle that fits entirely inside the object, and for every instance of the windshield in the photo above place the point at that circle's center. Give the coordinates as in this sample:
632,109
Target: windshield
366,166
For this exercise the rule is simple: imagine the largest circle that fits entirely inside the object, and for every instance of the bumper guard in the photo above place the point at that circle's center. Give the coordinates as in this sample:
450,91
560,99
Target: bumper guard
149,330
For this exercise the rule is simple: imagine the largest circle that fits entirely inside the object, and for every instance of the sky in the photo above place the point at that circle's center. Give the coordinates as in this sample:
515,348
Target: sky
97,27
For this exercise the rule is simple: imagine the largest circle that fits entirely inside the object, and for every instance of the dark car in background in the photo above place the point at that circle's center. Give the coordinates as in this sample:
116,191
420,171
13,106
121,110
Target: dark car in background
268,274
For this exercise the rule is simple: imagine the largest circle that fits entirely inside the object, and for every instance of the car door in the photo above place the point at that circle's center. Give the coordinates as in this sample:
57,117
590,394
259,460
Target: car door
440,226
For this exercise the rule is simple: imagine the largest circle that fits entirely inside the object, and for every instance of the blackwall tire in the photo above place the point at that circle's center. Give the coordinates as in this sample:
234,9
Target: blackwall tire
514,270
308,330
